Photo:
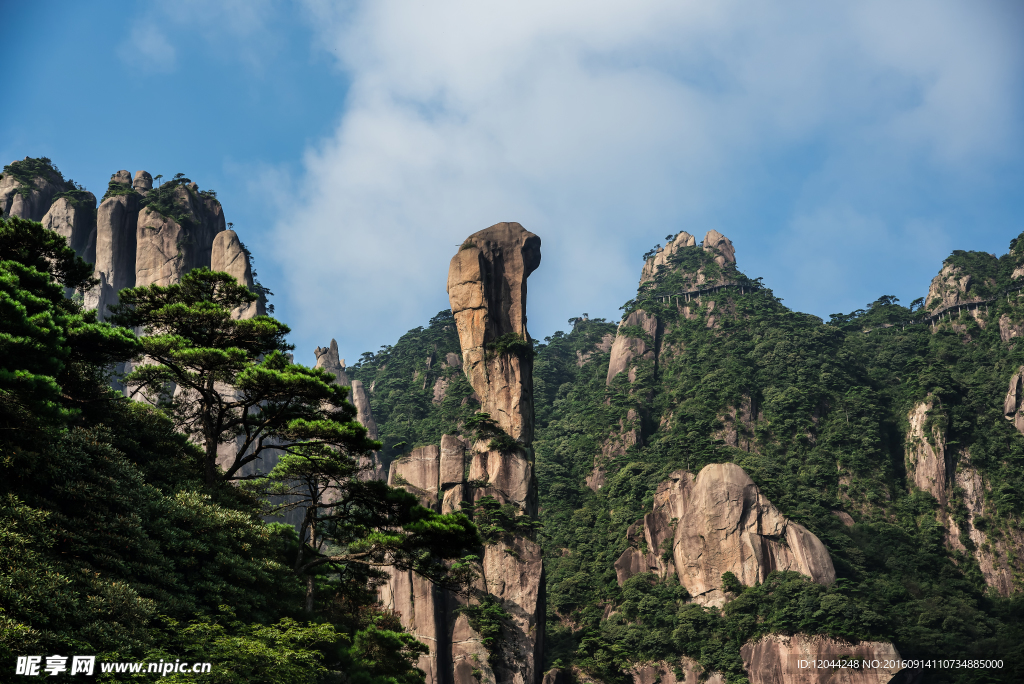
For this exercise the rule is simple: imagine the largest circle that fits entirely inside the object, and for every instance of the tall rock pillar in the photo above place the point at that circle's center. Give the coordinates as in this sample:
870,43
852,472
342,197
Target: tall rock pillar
487,291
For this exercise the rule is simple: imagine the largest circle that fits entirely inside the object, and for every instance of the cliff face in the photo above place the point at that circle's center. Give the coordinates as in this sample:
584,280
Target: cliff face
129,244
775,659
949,475
487,290
27,189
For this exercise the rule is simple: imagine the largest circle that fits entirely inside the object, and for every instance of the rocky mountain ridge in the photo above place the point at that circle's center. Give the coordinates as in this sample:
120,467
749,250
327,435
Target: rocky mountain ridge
724,484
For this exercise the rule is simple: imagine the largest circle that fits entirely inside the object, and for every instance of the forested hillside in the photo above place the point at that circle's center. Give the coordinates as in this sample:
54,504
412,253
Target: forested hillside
117,538
887,435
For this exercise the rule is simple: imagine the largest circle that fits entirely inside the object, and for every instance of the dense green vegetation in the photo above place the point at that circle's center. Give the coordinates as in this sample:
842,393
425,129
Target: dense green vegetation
830,403
401,381
115,543
25,171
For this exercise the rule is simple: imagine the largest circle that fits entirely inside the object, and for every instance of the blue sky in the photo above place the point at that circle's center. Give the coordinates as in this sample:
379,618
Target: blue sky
845,148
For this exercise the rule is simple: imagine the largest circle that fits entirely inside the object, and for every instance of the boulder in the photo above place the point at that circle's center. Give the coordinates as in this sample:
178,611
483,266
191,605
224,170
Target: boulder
776,659
720,522
143,182
721,247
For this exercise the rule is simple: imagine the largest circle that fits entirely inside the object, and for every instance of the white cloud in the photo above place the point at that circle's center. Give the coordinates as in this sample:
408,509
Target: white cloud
603,126
147,48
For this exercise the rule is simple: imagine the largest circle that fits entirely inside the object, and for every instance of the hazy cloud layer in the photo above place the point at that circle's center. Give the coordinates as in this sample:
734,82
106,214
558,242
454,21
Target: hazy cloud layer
823,138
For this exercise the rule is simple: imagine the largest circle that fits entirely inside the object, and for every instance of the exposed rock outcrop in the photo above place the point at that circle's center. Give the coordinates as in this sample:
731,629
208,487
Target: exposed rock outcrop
995,555
775,659
329,360
487,290
738,425
721,247
925,453
169,247
116,246
951,287
227,255
948,474
1008,330
628,346
76,221
720,522
143,182
664,673
661,257
1014,400
32,200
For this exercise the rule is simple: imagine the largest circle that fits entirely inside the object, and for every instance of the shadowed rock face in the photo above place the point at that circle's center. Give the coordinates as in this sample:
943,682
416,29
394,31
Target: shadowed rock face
939,469
116,231
487,291
75,223
720,522
773,660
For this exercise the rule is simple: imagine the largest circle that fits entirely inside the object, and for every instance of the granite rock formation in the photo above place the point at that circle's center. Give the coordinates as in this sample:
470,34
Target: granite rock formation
945,472
774,659
227,255
661,257
30,201
926,459
951,287
720,522
665,673
76,221
639,335
487,290
116,234
627,347
168,247
328,359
